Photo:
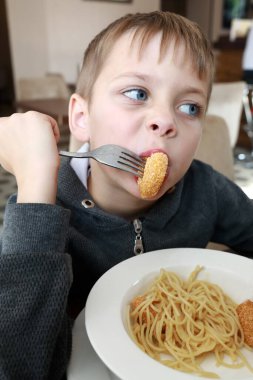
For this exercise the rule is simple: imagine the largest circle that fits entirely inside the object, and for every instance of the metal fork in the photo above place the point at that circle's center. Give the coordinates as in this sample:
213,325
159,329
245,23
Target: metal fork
113,155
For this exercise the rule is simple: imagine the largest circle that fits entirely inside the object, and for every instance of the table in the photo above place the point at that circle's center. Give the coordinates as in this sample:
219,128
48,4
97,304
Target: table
85,363
55,107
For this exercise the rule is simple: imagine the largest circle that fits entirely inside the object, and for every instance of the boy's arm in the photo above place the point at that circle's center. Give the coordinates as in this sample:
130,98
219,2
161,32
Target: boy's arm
235,217
35,277
35,273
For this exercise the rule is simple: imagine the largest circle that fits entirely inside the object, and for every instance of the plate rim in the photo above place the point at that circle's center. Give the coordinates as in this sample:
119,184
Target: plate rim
102,314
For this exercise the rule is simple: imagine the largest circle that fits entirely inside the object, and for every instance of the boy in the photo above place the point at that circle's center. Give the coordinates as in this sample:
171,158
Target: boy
145,85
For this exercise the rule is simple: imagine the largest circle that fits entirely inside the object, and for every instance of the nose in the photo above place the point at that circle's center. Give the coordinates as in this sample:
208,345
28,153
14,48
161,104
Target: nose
162,124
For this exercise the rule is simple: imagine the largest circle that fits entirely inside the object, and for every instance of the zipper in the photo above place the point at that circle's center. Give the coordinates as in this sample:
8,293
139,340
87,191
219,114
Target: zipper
138,245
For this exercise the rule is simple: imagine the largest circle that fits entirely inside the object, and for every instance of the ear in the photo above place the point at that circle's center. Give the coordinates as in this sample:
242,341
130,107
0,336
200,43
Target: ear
78,118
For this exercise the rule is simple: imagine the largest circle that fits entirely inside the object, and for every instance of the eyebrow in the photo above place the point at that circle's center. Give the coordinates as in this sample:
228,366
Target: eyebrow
146,78
138,75
195,90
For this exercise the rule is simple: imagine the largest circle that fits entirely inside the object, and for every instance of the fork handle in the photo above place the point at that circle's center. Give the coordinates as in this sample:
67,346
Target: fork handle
73,154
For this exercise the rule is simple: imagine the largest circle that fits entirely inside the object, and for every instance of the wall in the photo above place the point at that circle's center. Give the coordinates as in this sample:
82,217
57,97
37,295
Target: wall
28,36
51,35
217,20
6,79
208,14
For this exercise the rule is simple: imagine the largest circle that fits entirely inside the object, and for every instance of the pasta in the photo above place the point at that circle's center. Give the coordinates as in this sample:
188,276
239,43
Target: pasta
180,322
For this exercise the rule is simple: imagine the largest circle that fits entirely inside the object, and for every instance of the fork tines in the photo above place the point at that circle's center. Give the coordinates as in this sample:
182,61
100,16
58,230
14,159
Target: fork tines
134,162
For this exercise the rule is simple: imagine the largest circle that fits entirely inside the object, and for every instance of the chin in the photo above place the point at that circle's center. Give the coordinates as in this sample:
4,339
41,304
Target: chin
155,197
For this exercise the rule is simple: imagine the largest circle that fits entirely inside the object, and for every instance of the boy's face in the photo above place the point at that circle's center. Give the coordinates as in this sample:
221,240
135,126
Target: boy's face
145,105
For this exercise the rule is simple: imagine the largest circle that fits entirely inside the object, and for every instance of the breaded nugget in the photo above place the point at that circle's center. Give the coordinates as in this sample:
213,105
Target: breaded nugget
154,174
245,314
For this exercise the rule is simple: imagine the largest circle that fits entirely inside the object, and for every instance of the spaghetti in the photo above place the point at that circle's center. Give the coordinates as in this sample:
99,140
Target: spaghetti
180,322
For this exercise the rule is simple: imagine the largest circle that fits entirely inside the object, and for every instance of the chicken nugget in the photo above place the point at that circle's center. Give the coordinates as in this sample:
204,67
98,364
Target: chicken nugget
154,175
245,314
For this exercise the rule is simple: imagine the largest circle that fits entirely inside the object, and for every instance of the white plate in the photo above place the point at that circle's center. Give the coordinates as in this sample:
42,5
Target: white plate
105,308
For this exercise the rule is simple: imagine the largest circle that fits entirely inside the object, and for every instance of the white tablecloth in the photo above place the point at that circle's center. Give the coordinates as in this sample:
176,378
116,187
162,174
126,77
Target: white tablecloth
85,363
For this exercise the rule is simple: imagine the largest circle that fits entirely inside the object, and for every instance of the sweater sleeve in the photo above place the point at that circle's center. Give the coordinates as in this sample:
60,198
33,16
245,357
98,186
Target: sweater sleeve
235,216
35,278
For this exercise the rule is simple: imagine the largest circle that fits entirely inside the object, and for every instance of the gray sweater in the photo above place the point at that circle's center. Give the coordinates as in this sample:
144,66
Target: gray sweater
51,255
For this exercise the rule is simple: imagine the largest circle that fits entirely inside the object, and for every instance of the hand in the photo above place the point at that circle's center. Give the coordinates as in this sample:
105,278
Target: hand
28,150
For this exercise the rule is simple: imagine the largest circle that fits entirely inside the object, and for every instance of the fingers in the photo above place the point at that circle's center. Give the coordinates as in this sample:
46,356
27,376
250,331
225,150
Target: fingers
28,140
54,125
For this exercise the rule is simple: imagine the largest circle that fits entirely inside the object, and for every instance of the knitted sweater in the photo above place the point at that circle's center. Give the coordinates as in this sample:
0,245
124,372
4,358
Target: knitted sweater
51,255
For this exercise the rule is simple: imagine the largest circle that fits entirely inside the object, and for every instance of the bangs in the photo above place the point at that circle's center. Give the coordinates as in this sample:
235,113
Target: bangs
172,27
201,56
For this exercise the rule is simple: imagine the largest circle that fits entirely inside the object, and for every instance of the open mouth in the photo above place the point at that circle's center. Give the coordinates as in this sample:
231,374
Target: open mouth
150,152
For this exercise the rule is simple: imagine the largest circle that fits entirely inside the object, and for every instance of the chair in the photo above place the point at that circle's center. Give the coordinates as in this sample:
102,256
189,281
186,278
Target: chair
226,101
239,28
215,147
50,86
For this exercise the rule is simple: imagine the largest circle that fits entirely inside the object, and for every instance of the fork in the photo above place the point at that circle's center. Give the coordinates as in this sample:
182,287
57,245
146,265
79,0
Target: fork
113,155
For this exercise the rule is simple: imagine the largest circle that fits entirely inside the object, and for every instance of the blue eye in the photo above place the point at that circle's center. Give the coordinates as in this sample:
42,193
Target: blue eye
136,94
190,109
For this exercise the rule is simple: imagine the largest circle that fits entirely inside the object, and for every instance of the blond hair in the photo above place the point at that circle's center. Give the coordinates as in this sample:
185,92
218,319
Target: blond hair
145,26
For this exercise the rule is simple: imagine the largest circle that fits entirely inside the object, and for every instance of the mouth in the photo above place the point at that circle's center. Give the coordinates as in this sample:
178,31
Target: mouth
149,153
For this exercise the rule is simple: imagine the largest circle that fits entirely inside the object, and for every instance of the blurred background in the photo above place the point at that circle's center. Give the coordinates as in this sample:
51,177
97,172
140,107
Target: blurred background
46,39
38,37
44,36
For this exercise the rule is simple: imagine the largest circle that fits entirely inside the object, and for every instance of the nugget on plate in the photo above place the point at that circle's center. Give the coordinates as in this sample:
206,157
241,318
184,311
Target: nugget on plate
245,314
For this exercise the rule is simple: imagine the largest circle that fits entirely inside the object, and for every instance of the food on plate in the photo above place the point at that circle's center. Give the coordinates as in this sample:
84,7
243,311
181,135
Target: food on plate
245,314
154,174
179,322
